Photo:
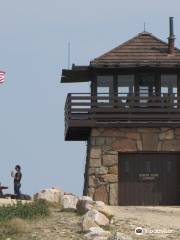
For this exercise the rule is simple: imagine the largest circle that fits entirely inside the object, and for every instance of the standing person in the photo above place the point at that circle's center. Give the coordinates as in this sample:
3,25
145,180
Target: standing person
17,180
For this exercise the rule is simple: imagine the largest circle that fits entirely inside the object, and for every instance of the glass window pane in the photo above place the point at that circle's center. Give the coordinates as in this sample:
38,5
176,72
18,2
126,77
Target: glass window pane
168,84
125,85
104,88
147,84
104,84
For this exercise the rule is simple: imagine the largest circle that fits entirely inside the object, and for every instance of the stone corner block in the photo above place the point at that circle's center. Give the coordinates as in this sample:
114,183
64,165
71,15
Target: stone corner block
110,160
95,152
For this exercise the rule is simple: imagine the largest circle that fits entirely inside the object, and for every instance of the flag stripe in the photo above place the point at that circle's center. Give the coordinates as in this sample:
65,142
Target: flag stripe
2,76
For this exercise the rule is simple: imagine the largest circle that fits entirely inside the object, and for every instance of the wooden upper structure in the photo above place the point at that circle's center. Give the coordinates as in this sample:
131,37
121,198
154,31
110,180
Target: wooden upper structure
142,50
135,84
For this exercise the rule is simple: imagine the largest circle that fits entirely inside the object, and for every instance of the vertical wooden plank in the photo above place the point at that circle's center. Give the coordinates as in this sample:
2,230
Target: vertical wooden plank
178,87
178,179
155,167
125,183
115,89
136,83
157,170
135,187
158,83
166,179
119,178
93,87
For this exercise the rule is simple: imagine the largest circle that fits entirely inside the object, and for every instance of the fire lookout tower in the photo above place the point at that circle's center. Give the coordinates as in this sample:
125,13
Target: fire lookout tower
131,122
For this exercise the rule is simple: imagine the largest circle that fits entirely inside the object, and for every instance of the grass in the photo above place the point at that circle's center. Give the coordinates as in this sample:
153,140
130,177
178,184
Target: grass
24,211
13,217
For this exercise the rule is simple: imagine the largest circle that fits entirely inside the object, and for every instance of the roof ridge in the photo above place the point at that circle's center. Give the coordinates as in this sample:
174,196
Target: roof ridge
139,43
130,40
122,44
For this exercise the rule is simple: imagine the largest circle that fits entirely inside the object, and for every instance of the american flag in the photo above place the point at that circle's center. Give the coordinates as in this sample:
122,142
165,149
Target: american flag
2,76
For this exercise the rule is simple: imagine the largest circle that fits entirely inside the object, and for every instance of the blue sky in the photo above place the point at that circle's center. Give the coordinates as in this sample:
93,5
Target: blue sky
33,47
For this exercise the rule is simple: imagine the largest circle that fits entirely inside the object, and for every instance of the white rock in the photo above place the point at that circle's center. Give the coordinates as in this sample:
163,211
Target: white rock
8,201
87,198
93,218
53,195
99,238
97,233
84,204
100,203
69,203
100,218
87,223
104,209
119,236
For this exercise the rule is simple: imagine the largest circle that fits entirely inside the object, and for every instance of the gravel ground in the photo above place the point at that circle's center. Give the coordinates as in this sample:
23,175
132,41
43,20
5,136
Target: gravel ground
151,219
65,226
59,226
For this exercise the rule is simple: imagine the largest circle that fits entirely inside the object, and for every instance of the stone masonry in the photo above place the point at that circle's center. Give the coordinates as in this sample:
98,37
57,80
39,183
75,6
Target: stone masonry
104,147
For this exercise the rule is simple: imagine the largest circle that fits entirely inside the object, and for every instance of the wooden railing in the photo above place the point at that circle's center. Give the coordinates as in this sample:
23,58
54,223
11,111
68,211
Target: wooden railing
103,108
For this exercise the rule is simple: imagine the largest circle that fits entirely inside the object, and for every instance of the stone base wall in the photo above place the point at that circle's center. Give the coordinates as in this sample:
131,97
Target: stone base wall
104,147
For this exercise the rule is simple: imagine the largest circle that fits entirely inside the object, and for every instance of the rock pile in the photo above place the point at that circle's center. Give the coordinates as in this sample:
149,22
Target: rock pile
96,215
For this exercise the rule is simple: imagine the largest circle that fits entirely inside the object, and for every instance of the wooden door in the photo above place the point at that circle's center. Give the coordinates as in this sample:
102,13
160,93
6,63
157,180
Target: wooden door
149,179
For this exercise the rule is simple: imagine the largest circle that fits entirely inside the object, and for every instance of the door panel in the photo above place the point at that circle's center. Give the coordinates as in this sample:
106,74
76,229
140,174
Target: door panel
149,179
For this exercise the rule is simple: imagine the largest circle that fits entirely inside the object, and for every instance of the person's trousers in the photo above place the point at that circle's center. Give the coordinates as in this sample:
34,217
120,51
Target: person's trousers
17,187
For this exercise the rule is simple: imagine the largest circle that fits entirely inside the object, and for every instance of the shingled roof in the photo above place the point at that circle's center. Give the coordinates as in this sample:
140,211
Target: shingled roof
142,50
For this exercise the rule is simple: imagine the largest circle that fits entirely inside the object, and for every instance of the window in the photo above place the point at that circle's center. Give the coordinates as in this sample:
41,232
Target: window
168,84
125,85
169,89
104,88
146,87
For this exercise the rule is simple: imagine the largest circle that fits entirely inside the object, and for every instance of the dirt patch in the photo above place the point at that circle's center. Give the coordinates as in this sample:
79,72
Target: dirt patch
59,226
157,222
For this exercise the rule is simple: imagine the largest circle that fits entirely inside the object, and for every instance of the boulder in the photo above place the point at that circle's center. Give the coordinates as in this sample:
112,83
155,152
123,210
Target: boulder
86,198
52,195
84,204
93,218
104,209
25,197
69,203
97,233
13,196
99,203
87,223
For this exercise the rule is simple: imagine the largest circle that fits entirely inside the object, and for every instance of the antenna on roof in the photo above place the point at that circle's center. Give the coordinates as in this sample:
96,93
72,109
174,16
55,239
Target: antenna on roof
144,27
69,54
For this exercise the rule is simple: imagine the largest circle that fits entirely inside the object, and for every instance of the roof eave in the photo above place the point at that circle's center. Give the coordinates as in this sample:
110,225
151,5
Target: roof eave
76,74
